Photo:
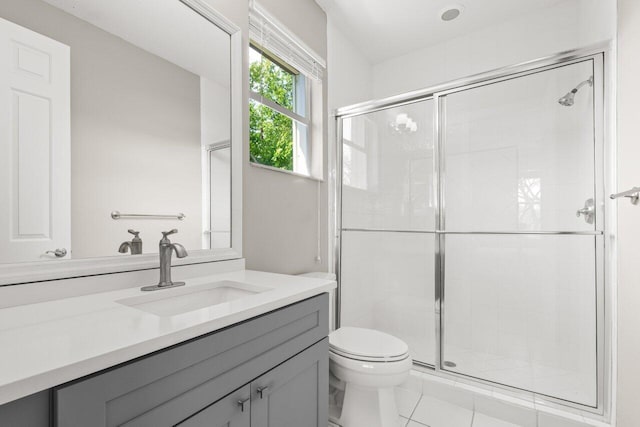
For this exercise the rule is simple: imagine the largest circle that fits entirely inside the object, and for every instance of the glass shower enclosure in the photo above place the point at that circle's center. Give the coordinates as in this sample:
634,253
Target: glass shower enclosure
471,225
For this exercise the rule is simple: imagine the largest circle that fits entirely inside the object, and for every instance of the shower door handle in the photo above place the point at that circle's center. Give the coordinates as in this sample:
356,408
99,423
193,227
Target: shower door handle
589,211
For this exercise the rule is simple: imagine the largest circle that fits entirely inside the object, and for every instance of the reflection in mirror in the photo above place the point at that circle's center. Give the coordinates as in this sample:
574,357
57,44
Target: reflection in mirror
111,106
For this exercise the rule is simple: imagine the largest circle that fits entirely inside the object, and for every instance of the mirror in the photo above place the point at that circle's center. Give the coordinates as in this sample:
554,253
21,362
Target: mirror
114,116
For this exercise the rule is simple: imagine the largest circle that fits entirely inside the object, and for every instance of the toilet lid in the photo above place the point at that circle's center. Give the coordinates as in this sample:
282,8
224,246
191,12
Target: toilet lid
367,344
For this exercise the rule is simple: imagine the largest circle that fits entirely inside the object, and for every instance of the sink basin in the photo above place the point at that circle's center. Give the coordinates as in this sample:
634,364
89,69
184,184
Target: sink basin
171,302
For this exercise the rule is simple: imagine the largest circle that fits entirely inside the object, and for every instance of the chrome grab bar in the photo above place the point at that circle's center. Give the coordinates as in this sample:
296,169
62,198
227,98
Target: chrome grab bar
633,195
118,215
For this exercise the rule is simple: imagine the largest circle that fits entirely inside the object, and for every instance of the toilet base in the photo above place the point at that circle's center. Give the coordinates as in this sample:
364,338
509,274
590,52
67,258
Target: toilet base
369,407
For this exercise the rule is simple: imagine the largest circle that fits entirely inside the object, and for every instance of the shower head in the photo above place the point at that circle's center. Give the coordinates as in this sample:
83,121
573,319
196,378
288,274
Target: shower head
569,98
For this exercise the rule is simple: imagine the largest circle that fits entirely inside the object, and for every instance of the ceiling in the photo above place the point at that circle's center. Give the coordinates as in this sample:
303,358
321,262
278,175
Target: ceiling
384,29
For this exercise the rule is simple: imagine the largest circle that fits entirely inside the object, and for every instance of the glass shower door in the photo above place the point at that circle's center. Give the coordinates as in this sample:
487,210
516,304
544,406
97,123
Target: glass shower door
388,225
521,232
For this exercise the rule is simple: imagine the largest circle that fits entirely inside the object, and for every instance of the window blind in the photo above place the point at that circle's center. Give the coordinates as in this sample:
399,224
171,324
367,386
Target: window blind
274,37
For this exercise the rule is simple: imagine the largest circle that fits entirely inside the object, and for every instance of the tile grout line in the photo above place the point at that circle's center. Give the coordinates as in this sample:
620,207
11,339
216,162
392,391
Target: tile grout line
414,408
417,422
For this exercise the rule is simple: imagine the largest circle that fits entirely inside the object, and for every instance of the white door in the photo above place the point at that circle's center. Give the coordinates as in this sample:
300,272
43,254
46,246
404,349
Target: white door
34,145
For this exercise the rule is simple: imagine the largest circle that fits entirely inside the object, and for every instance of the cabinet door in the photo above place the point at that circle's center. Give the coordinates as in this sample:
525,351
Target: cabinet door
31,411
296,393
233,410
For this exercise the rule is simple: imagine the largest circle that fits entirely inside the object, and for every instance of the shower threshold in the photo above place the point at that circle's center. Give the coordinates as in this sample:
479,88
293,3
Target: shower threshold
506,403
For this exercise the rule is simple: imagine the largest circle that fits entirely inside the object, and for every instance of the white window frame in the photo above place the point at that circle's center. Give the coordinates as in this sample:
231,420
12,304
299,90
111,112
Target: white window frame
302,104
278,44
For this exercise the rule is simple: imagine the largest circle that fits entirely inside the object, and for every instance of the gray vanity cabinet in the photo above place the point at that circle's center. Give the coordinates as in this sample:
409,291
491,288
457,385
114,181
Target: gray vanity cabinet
233,410
291,395
200,382
295,394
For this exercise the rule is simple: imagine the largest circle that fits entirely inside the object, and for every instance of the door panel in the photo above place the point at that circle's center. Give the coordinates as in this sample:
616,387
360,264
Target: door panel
295,393
34,145
521,309
388,224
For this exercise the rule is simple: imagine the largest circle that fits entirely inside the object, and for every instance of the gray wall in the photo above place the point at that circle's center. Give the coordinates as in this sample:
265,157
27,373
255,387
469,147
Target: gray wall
133,117
280,210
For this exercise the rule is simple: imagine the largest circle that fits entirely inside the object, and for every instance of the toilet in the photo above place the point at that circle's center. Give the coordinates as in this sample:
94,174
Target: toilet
365,368
368,365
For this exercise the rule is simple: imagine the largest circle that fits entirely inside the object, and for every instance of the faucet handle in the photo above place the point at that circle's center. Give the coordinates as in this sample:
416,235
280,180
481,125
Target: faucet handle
168,233
134,232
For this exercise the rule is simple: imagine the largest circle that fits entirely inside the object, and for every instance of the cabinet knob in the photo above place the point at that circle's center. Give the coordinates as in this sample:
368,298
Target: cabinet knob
241,403
261,391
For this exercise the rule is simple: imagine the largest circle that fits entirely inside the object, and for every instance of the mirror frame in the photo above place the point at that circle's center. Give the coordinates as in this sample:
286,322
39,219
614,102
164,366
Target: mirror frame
28,272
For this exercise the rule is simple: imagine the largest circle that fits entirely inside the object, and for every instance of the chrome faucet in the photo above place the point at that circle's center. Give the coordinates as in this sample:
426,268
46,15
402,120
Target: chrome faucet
134,246
166,250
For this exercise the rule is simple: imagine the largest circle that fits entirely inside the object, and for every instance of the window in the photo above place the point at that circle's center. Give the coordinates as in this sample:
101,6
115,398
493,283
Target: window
285,105
278,119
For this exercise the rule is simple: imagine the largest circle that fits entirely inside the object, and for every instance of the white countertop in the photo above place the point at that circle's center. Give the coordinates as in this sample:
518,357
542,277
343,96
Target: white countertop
46,344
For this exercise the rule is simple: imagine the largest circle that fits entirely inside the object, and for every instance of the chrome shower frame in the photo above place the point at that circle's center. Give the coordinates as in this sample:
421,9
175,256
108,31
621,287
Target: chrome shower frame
604,134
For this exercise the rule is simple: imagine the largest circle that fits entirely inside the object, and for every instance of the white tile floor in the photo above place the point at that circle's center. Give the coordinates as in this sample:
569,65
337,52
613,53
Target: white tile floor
420,411
443,407
425,400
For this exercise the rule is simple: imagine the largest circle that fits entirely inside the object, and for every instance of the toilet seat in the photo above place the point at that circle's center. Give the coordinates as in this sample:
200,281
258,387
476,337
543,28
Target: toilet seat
366,372
367,345
360,358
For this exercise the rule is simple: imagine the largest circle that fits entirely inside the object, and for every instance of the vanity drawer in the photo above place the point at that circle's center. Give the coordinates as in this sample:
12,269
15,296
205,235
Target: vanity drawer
194,374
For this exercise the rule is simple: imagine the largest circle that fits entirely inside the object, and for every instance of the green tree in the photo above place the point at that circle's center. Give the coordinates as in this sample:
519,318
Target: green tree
270,132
